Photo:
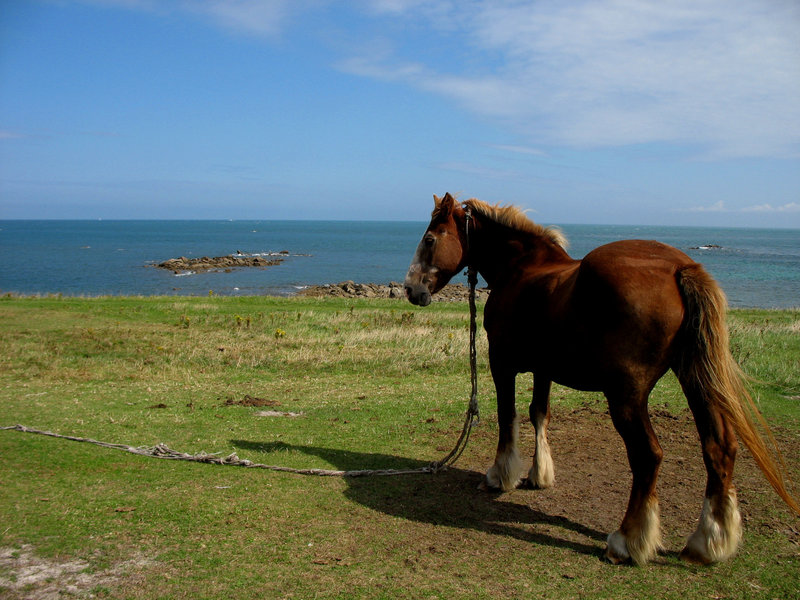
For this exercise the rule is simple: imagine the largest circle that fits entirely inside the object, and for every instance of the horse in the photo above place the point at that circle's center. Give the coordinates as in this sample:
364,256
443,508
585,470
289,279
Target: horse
614,322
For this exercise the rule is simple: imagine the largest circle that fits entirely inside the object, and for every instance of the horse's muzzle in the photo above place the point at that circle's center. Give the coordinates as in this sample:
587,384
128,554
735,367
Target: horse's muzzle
418,294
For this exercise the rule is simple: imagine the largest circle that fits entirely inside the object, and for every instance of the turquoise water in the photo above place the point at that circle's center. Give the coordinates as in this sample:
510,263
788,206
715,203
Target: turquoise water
756,267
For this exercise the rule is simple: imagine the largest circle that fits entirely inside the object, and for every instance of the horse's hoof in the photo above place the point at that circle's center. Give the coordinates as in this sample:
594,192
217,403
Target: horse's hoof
528,483
617,551
691,555
485,486
616,559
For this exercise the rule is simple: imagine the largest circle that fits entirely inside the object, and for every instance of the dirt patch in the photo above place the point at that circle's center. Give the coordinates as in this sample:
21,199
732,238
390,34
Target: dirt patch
590,494
37,578
593,478
277,413
249,400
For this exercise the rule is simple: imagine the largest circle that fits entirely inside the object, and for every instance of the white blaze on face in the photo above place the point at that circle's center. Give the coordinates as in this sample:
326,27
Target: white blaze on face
419,277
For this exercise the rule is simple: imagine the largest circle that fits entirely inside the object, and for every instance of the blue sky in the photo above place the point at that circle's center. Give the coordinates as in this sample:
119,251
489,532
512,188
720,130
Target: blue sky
623,112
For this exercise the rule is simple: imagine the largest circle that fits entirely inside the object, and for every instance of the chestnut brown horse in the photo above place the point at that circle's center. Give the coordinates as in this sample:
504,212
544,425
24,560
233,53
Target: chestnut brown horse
613,322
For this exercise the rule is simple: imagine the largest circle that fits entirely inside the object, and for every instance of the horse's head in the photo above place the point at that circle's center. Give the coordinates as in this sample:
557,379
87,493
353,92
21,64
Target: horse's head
441,254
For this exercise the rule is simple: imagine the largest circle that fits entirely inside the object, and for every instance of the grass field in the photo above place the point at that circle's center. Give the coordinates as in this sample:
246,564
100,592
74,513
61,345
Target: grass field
349,385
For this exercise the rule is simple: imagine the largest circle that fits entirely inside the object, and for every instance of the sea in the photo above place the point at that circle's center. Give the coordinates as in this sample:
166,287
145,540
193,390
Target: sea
756,267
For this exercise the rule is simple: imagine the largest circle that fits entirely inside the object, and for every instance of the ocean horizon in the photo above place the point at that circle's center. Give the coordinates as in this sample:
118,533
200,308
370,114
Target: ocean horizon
756,267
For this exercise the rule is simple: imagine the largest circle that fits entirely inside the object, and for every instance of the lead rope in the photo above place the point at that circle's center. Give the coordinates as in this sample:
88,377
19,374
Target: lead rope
472,418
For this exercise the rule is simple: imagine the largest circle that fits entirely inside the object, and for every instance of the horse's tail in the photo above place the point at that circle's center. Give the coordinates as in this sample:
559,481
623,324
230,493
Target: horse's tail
706,363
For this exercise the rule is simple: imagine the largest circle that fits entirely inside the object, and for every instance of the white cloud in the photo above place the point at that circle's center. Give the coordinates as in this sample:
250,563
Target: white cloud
620,72
262,17
396,6
472,169
716,207
790,207
518,149
371,67
768,208
130,4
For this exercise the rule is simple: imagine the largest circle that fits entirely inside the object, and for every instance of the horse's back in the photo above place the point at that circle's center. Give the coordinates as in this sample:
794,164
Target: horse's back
637,254
632,277
632,271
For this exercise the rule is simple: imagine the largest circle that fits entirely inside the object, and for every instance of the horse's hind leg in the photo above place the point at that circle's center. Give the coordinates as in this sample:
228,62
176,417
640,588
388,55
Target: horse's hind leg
719,530
639,536
505,473
541,474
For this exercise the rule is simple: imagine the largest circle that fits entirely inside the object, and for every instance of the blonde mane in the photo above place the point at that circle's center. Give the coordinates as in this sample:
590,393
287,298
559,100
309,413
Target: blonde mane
514,218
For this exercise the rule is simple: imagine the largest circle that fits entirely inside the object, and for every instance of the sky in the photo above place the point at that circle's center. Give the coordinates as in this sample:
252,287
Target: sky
684,112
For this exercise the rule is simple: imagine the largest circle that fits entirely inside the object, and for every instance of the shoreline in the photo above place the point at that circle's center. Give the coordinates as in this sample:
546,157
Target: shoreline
453,292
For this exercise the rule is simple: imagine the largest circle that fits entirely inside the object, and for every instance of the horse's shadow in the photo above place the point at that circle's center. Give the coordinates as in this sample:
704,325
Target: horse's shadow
448,498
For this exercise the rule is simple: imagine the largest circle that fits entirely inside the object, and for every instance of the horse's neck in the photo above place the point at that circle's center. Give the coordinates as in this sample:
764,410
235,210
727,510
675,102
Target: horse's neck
498,251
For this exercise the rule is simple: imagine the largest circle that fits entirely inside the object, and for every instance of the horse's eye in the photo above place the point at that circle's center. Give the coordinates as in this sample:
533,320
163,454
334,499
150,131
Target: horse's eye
429,240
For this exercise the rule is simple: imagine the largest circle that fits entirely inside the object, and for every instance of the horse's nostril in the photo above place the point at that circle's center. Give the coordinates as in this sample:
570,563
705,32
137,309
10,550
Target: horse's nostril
408,291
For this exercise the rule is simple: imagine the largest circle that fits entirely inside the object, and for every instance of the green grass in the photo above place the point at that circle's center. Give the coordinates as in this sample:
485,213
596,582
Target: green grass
378,384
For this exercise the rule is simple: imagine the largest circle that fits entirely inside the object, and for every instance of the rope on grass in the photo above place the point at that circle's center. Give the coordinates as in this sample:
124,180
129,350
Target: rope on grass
165,452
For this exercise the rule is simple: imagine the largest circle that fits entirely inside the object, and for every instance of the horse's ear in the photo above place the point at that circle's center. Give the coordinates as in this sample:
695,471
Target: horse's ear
436,201
445,205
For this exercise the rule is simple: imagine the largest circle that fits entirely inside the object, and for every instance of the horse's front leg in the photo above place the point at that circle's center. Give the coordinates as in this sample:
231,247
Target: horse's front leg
506,471
541,474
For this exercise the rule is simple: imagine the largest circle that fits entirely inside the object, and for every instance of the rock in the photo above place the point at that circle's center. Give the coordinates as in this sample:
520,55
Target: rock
348,289
223,263
706,247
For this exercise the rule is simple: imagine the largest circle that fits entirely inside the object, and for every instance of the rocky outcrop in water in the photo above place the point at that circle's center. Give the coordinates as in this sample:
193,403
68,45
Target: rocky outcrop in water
223,263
